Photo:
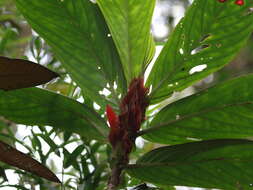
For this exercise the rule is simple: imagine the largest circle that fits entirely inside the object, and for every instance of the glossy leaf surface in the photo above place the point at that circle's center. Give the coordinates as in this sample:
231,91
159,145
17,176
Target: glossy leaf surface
207,38
223,111
13,157
78,35
19,73
222,164
36,106
130,28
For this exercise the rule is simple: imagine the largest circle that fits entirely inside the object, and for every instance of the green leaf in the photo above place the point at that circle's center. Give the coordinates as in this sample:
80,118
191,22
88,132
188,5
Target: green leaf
8,36
223,164
150,51
34,106
3,174
71,159
223,111
129,22
209,36
77,33
50,142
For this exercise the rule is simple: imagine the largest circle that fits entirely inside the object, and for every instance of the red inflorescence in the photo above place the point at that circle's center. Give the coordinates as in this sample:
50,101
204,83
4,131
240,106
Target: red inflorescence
132,113
237,2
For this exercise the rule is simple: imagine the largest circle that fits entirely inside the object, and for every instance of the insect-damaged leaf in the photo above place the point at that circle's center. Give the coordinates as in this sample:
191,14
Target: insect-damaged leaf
204,41
13,157
19,73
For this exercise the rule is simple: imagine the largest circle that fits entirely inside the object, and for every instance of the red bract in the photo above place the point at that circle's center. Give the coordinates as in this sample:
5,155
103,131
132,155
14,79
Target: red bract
132,113
239,2
112,117
114,125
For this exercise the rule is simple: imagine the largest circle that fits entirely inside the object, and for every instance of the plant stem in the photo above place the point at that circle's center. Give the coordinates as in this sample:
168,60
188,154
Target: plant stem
114,180
118,162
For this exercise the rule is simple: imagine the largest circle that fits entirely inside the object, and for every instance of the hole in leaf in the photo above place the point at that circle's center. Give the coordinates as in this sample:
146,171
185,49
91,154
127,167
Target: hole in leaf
181,51
105,92
205,37
197,69
198,49
93,1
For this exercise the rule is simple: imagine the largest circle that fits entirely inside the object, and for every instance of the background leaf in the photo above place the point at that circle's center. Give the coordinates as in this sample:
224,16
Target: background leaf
19,73
35,106
223,111
18,159
223,164
78,35
130,28
71,159
208,37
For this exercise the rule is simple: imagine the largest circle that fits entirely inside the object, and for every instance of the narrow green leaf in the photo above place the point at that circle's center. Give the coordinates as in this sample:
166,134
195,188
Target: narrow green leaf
223,111
129,22
78,35
71,159
207,38
223,164
150,51
36,144
34,106
3,174
51,143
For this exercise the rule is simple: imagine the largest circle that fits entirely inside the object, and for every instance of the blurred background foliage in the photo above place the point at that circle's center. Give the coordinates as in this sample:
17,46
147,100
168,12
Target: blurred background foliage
79,163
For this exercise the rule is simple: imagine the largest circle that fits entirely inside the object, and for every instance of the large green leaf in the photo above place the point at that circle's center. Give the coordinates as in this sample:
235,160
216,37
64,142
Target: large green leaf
34,106
224,164
207,38
223,111
129,22
78,34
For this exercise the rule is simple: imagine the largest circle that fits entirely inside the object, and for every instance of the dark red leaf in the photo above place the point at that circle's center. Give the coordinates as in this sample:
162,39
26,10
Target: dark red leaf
19,73
13,157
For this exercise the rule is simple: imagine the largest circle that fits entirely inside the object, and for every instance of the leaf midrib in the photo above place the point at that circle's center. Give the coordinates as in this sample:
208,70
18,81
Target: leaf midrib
162,164
165,124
